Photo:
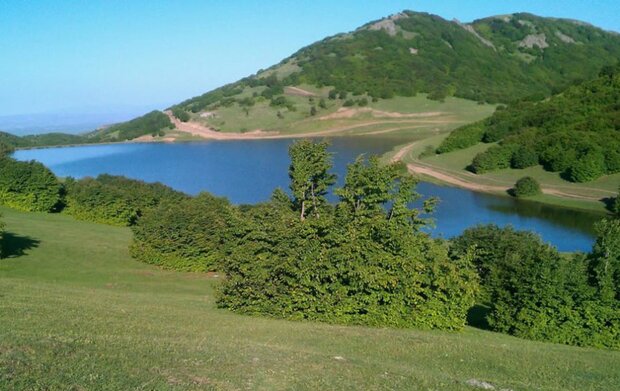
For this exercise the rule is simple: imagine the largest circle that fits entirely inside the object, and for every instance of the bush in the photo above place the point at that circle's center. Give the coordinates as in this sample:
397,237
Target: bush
463,137
524,157
588,167
537,293
616,205
194,234
115,200
351,264
181,114
526,187
494,158
28,186
5,150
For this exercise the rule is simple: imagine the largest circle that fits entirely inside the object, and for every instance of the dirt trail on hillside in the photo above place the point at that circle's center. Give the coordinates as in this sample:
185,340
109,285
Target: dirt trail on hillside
208,133
344,113
298,92
424,169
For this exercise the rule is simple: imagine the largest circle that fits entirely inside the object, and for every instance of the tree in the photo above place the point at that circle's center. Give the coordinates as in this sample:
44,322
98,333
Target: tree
310,177
313,110
605,260
28,186
322,103
616,206
526,187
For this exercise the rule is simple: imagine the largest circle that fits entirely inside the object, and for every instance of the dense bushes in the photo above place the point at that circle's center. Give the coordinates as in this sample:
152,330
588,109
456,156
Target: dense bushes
616,205
360,262
150,123
5,149
537,293
194,234
494,158
576,133
28,186
526,187
463,137
114,200
181,114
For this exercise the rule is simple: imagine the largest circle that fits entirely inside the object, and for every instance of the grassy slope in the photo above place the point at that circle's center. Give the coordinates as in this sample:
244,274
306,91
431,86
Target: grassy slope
455,163
454,112
77,311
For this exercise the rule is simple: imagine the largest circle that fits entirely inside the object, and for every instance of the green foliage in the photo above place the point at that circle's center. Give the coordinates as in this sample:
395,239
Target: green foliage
181,114
5,150
193,234
463,137
9,142
309,175
605,260
364,262
576,133
537,293
28,186
115,200
526,187
494,158
147,124
616,205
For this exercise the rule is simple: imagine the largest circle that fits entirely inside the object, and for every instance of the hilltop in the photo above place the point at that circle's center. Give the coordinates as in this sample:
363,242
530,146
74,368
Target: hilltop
493,60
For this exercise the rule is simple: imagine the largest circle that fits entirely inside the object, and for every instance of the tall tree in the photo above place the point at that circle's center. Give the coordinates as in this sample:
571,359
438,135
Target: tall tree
605,260
310,176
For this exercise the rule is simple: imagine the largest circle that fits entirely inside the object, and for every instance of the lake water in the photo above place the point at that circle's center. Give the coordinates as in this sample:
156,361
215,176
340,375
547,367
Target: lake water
248,171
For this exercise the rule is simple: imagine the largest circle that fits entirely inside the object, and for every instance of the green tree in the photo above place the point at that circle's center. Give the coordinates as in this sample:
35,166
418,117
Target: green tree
28,186
616,206
310,176
605,260
526,187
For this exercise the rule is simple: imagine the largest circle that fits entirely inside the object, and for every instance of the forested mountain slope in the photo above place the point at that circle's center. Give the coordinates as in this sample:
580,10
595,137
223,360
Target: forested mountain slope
576,132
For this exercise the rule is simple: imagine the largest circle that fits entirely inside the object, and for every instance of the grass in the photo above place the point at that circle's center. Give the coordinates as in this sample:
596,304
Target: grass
78,313
454,112
455,163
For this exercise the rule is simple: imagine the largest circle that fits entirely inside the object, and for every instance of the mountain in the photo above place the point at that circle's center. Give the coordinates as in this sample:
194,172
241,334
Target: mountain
576,133
496,59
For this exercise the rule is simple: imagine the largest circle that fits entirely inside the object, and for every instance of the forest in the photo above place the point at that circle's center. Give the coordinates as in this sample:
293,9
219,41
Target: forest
575,133
363,260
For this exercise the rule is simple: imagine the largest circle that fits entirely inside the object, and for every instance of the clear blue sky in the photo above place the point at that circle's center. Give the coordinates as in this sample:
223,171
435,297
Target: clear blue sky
104,55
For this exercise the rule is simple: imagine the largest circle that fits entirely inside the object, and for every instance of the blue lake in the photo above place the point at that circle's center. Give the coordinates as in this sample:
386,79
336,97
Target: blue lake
248,171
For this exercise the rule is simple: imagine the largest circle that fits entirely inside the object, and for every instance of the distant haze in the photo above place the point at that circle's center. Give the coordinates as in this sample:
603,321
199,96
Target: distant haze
70,120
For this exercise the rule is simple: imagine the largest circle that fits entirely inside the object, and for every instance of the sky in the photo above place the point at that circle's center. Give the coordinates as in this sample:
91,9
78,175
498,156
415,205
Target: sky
112,56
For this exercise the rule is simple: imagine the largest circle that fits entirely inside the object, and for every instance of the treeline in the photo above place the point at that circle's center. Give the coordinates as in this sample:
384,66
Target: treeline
576,133
364,260
114,200
535,292
154,123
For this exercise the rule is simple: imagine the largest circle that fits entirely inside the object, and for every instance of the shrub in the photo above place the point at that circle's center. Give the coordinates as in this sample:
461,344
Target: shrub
28,186
494,158
616,205
115,200
5,150
351,264
526,187
194,234
181,114
463,137
524,156
537,293
588,167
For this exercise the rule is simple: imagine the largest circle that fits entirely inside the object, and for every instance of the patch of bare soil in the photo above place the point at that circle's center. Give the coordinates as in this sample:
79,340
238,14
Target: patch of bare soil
297,91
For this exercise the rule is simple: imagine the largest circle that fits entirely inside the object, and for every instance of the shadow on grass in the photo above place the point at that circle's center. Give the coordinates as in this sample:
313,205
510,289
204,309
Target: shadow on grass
16,245
610,203
477,316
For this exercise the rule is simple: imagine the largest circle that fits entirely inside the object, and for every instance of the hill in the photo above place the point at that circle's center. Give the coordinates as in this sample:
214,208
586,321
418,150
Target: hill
496,59
575,133
71,291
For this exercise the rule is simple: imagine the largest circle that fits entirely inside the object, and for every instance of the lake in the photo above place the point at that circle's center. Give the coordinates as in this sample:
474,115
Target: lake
248,171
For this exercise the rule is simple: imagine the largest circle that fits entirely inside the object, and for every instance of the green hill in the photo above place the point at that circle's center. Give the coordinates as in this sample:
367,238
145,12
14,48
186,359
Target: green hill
575,133
496,59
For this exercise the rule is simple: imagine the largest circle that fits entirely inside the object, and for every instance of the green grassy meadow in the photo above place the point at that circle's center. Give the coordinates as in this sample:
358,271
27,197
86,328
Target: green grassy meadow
77,313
